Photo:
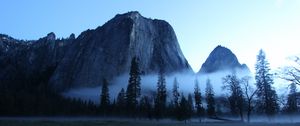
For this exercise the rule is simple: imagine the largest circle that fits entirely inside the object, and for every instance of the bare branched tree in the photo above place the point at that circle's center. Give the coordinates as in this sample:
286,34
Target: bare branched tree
249,93
291,73
236,98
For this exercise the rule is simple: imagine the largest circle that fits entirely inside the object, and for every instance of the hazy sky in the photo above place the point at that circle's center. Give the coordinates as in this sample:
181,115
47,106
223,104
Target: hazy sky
244,26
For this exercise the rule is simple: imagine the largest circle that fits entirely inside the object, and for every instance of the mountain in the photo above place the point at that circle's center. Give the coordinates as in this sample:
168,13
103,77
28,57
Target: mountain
28,58
104,52
222,58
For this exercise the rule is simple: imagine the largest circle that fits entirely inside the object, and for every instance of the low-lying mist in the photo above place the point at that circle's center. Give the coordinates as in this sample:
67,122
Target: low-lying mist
148,85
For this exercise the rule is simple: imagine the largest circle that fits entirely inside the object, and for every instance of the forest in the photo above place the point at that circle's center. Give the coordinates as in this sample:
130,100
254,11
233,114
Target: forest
33,96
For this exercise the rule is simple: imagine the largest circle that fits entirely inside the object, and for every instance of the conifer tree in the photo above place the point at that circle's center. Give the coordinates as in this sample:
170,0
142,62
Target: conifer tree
161,96
104,101
266,95
200,111
175,92
175,100
190,107
183,113
133,91
121,102
292,105
146,108
210,100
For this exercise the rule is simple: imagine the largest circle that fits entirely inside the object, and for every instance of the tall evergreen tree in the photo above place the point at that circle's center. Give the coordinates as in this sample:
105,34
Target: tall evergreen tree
266,95
210,100
161,96
133,91
198,101
175,93
190,109
175,100
292,105
104,101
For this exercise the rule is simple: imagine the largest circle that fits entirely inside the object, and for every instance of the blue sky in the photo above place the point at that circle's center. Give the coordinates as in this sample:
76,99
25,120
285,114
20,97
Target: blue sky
244,26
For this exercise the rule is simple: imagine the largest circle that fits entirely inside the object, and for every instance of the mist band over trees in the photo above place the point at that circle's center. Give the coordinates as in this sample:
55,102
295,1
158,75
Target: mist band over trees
243,99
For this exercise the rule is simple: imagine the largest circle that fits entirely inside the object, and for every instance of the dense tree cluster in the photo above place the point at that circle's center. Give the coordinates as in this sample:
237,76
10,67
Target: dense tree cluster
27,96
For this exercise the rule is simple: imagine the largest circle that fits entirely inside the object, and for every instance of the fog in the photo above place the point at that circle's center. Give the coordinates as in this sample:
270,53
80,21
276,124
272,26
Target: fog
276,119
148,85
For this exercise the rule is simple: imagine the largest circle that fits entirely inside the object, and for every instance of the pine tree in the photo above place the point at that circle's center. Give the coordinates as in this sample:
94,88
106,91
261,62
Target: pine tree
104,101
161,96
190,109
266,95
133,91
175,100
210,100
291,106
121,102
146,107
198,101
183,109
175,92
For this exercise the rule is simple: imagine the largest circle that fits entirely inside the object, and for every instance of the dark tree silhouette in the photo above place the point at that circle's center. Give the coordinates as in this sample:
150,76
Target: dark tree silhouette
133,91
210,100
266,95
190,108
161,96
121,103
175,100
292,105
104,100
291,73
175,92
200,111
183,113
236,98
146,108
249,93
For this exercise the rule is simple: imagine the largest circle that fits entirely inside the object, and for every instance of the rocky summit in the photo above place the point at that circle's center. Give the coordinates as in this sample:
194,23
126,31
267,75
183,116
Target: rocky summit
222,58
104,52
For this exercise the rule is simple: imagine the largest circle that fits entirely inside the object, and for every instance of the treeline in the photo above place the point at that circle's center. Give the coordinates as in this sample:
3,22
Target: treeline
32,96
243,97
24,95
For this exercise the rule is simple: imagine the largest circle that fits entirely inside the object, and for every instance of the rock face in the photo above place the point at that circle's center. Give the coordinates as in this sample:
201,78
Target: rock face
104,52
30,57
221,58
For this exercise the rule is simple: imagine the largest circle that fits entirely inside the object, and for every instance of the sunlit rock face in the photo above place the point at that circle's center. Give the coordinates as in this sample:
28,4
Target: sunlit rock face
222,59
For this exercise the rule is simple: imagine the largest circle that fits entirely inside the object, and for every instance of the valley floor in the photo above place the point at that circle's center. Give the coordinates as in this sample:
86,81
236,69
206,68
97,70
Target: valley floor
60,121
